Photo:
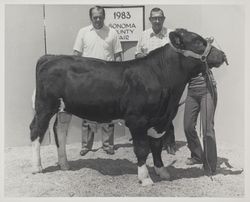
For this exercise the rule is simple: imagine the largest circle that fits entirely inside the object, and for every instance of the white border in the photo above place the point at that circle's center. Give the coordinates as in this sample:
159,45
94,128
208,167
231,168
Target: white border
129,2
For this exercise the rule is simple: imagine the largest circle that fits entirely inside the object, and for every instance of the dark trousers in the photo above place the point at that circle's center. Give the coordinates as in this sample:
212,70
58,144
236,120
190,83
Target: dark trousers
201,101
88,132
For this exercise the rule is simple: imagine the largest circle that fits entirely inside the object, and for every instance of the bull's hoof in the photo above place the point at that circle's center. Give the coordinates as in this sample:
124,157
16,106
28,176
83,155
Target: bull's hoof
64,166
37,169
162,172
146,182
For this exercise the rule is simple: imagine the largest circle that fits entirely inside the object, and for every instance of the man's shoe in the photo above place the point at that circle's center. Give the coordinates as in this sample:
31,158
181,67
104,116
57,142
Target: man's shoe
192,161
84,152
109,151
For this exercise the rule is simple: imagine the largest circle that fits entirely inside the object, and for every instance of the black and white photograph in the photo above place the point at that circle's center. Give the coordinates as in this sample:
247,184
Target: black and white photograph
124,99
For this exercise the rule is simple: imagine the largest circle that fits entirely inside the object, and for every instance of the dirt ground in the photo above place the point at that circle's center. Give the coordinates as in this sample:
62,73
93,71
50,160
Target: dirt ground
98,174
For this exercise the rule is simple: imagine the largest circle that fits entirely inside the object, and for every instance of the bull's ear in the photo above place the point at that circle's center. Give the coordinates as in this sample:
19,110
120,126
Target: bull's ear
176,40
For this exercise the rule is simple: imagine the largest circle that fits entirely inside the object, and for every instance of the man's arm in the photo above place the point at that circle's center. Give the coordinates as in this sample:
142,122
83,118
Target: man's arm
75,52
78,46
139,53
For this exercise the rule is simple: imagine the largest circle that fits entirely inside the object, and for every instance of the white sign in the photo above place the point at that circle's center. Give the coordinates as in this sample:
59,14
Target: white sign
127,21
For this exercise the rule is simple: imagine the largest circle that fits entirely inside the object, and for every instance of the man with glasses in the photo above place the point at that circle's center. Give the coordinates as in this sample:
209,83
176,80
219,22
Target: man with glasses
152,38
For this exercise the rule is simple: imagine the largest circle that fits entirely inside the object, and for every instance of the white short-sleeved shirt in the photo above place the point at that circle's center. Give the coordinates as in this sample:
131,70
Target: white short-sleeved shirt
150,41
101,44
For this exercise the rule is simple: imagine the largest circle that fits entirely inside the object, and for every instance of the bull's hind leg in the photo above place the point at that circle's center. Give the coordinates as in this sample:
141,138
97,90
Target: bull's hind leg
60,131
35,144
38,128
156,149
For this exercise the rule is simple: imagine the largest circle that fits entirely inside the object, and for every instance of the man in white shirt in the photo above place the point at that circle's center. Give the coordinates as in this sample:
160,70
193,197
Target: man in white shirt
97,41
152,38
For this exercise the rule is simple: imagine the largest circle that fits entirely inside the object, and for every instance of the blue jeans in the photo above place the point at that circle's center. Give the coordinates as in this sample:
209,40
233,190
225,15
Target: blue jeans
200,100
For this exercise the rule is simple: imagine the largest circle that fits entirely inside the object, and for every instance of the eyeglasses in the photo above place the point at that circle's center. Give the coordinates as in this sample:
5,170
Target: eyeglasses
98,18
157,18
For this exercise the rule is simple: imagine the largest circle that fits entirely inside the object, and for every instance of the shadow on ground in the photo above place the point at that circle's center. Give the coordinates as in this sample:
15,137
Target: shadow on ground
196,172
104,166
179,144
123,166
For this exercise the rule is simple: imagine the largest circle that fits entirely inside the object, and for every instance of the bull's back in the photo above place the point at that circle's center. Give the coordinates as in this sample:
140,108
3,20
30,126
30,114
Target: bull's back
94,84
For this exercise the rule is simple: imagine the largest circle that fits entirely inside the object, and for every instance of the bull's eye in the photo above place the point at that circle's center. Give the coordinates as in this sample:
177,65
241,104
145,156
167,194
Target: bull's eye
199,42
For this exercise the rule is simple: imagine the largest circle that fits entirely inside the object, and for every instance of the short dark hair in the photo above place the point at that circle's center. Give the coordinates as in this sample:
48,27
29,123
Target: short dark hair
97,8
156,10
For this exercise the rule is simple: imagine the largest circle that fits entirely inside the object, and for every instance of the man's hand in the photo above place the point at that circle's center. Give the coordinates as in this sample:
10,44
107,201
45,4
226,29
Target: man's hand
140,55
75,52
118,57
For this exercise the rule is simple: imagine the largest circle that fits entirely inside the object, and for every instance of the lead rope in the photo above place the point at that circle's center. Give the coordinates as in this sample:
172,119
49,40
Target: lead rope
208,82
211,88
204,136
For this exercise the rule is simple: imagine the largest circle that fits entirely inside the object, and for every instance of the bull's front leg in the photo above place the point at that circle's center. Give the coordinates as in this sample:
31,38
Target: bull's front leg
60,132
156,143
141,149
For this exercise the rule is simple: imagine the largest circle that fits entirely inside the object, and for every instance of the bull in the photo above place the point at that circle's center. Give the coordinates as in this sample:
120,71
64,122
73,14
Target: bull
144,92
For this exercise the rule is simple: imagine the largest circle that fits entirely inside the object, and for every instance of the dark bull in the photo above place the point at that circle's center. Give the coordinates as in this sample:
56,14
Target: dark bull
143,92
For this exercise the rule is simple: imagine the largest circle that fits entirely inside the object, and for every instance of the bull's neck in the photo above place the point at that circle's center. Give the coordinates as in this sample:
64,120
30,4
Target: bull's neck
173,69
178,69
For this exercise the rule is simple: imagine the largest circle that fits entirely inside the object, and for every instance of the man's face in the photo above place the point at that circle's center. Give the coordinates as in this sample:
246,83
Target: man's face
97,18
157,20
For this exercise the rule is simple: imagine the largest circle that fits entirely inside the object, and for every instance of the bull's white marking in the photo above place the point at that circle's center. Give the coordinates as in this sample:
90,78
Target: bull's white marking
162,172
152,133
62,105
36,158
143,176
33,98
62,129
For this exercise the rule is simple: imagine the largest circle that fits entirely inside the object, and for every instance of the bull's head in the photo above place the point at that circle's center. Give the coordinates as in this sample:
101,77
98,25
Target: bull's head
193,45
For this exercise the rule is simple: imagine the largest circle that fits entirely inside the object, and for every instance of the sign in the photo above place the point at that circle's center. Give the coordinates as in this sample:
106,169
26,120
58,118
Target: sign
127,21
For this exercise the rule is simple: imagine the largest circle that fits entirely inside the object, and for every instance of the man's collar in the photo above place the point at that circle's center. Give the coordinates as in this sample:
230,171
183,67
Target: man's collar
161,34
91,28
